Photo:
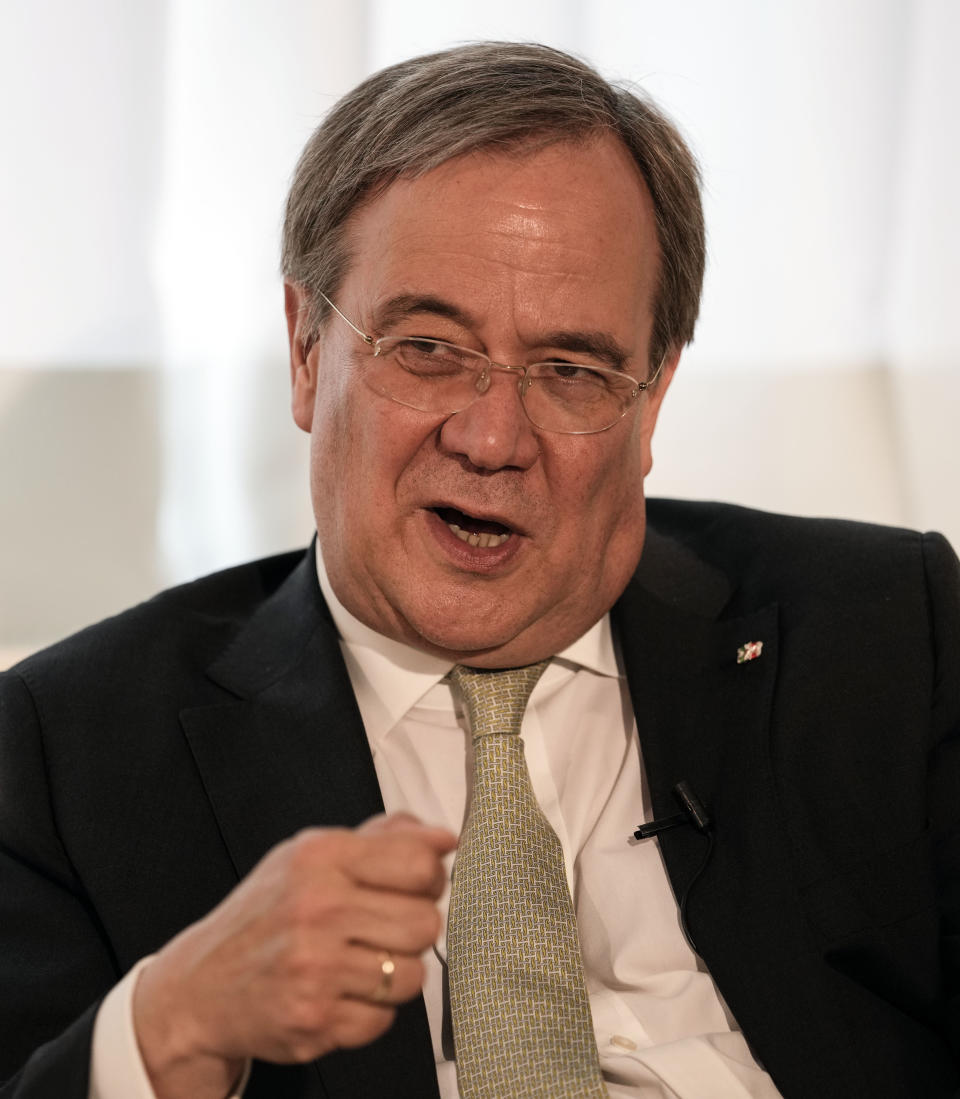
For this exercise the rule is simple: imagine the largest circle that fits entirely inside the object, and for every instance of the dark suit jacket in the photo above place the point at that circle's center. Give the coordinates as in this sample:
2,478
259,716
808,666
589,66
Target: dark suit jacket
147,764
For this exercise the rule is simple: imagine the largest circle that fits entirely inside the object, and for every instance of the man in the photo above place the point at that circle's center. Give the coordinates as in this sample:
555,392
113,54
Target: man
493,260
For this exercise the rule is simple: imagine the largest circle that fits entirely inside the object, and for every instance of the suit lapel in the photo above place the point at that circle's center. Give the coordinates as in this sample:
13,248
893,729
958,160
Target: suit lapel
287,750
706,719
695,706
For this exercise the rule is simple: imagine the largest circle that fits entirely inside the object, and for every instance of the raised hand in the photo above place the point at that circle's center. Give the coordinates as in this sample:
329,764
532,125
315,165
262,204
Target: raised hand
311,952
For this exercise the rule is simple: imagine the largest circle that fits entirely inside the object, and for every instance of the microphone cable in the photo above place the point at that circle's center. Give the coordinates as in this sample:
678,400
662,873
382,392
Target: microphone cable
692,813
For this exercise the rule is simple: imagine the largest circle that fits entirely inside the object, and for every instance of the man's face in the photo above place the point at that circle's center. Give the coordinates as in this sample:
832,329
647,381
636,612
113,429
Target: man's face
512,255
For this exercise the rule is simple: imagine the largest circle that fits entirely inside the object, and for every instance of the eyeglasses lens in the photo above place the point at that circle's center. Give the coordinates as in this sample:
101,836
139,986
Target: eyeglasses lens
433,376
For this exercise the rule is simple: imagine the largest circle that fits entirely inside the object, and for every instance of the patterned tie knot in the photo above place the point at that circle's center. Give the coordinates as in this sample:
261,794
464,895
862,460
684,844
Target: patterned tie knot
496,699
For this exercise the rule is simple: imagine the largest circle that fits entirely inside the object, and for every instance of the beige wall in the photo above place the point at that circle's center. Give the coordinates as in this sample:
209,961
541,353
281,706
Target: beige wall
78,498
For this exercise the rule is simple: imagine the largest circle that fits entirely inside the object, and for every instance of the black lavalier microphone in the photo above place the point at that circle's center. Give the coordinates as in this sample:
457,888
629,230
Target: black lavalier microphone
693,813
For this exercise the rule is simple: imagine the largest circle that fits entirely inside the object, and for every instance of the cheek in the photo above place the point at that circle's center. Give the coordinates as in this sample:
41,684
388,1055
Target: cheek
363,445
606,483
331,449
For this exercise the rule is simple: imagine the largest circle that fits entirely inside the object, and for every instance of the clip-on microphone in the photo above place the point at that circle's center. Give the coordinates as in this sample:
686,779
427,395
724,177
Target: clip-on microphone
693,813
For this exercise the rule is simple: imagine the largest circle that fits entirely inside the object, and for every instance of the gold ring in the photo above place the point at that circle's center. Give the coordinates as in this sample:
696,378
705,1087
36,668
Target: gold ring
387,970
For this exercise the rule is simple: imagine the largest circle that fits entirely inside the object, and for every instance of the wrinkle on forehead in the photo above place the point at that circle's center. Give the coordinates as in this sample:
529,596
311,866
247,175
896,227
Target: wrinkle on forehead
508,217
527,222
566,235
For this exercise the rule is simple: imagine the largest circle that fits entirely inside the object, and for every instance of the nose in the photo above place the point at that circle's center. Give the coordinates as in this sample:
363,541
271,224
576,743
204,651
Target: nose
493,432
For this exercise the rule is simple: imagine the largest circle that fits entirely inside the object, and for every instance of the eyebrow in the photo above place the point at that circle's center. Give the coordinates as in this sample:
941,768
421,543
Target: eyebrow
402,306
599,345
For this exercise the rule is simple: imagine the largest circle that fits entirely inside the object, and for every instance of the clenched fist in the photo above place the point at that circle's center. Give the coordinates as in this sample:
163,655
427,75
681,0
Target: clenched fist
311,952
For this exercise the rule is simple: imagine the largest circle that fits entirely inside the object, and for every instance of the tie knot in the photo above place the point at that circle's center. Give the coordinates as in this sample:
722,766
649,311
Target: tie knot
496,699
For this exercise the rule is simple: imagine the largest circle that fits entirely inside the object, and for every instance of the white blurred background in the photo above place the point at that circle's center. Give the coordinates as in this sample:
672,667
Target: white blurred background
145,149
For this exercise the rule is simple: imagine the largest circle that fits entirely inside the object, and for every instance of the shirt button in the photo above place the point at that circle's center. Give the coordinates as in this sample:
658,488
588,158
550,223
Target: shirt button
623,1042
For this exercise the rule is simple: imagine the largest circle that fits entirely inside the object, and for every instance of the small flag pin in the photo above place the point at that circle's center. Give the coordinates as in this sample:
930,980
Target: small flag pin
750,651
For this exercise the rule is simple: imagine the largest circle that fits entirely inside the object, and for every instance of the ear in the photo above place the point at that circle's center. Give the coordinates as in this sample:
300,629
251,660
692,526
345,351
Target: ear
303,357
653,399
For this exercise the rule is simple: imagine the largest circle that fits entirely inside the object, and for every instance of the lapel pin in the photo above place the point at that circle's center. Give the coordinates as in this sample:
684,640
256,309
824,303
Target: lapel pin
750,651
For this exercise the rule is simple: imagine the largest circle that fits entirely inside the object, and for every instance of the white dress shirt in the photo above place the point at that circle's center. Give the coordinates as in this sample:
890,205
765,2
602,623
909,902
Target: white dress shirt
662,1028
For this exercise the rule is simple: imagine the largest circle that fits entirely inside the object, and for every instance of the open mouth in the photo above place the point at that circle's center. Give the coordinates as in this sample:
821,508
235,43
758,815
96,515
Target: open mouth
475,532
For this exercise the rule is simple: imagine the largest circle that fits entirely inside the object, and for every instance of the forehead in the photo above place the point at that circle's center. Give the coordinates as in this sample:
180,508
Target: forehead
562,232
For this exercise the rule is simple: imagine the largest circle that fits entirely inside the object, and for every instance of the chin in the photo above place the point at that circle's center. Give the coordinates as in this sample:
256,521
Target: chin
462,642
462,629
472,636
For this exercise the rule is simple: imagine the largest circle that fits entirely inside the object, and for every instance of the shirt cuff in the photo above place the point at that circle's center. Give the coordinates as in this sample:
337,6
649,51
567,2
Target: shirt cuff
116,1067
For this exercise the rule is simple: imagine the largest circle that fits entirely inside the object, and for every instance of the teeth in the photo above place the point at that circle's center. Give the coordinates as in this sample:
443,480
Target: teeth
482,540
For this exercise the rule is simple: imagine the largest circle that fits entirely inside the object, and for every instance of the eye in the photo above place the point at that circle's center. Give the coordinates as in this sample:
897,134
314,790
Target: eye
428,358
559,370
421,347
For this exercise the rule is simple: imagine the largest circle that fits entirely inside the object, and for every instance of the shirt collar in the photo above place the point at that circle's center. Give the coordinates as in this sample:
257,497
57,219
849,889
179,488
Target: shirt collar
389,677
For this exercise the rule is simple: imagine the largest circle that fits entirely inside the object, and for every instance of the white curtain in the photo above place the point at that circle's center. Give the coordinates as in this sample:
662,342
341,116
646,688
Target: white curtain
147,149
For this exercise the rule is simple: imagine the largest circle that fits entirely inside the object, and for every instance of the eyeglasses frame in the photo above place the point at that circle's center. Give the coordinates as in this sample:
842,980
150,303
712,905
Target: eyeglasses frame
523,382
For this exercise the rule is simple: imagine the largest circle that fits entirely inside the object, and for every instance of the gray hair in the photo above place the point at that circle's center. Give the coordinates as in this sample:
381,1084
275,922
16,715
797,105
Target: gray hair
414,116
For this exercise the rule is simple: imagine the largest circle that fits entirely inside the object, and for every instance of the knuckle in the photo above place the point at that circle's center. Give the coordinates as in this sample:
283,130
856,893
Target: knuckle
423,926
316,967
308,1016
296,910
314,903
415,925
422,865
310,845
434,923
297,954
418,937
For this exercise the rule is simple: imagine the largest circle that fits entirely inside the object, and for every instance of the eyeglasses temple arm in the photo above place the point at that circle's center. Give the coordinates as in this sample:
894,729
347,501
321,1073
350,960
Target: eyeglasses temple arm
363,336
641,386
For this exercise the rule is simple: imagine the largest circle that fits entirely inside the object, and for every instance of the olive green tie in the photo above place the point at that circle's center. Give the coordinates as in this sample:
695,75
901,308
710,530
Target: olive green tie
521,1018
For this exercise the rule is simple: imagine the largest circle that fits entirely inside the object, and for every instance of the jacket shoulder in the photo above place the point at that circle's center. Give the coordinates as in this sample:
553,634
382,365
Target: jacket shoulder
771,556
184,626
725,526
